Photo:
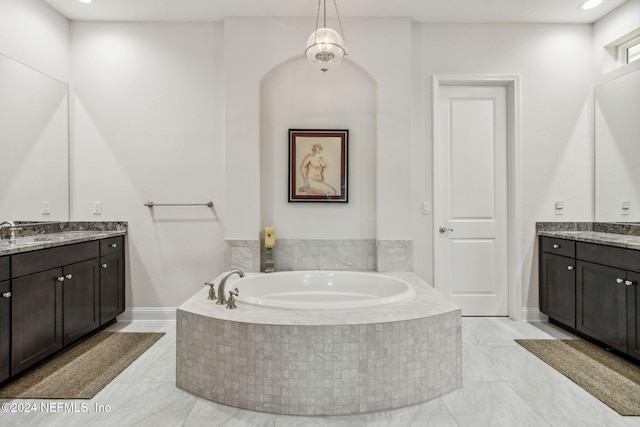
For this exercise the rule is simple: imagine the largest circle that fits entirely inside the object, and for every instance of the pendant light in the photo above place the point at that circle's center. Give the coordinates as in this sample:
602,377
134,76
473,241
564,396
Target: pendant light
326,47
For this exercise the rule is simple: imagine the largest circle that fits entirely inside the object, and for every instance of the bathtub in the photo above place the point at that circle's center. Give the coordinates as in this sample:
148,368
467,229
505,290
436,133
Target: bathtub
321,290
315,361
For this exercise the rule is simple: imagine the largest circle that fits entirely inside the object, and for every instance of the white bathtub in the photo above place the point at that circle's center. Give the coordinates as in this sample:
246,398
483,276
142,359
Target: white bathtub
321,290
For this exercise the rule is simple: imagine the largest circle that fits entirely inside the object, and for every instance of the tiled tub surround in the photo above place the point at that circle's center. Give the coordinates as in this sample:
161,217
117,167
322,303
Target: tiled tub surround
623,235
321,254
34,236
320,363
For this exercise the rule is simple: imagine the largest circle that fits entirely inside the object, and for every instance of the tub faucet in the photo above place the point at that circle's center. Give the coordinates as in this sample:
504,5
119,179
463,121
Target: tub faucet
222,299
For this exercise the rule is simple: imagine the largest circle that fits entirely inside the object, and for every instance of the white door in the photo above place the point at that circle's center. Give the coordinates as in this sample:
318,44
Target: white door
471,237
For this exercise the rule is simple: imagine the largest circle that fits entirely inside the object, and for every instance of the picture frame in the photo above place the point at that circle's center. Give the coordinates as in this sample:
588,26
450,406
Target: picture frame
318,165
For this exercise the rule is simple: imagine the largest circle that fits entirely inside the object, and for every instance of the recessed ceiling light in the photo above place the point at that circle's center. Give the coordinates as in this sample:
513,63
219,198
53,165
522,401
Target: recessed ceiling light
590,4
85,1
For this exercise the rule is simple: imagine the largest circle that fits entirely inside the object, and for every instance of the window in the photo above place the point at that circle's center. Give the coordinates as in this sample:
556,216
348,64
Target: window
629,51
633,52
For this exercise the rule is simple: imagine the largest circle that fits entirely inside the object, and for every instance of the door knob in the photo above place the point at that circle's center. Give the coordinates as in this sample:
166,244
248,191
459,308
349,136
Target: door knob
570,267
444,230
619,280
628,282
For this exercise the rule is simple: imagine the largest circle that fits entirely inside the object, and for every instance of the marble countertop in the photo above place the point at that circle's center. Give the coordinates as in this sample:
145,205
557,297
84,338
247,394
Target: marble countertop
427,302
50,240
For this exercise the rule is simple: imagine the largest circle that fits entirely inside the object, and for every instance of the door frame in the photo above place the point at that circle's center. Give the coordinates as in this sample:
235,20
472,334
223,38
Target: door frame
514,223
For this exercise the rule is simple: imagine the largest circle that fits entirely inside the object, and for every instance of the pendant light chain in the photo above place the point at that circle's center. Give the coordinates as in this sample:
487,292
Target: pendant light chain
335,3
315,37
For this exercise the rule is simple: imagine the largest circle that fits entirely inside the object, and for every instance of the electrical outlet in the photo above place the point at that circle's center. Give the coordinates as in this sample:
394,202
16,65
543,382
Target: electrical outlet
625,207
46,208
97,208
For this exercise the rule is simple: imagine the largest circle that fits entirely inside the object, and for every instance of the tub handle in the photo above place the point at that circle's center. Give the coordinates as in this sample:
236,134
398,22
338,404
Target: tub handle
212,291
231,302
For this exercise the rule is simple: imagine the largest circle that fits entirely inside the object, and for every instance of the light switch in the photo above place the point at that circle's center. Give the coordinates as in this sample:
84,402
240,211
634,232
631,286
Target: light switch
426,208
97,208
559,207
46,208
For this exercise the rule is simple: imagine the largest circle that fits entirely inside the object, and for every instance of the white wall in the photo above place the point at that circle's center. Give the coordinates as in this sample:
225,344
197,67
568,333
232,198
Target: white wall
148,124
555,116
36,35
246,66
298,96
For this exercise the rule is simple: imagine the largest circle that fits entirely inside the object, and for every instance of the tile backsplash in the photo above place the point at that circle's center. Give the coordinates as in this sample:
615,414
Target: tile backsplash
323,254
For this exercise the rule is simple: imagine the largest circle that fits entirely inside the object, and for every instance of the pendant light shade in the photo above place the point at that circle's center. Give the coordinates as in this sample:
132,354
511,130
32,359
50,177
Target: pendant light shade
325,47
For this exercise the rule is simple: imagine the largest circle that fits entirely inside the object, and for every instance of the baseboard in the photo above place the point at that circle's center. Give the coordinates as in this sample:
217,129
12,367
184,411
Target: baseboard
148,313
533,314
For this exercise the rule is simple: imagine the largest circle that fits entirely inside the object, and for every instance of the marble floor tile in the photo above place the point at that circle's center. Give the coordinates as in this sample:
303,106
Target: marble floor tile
432,413
514,363
491,404
206,413
565,403
504,385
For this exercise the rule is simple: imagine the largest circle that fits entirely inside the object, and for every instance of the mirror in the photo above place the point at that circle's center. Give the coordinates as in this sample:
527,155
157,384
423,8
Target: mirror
617,149
34,144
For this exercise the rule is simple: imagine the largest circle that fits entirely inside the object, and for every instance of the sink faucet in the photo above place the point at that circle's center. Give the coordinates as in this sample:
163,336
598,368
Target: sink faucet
222,299
11,226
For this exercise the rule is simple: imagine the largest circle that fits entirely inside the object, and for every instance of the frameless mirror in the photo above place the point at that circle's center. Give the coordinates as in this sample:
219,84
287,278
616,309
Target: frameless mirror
617,149
34,144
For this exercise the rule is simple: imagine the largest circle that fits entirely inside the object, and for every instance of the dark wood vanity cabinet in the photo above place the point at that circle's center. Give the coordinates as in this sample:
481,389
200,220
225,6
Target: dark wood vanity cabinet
57,297
633,315
36,318
55,300
602,304
80,300
5,319
600,284
111,278
558,281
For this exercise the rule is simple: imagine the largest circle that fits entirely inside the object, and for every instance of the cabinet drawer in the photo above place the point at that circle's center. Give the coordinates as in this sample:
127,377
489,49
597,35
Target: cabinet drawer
558,246
111,245
627,259
45,259
4,268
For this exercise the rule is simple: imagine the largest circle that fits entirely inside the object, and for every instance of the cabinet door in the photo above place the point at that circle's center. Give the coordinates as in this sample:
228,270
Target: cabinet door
601,304
36,318
5,330
81,300
633,314
111,286
558,288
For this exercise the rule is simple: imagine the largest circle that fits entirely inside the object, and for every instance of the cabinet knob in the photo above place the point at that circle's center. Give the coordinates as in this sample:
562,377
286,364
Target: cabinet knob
68,276
61,279
104,266
570,267
556,246
619,280
629,282
6,295
113,245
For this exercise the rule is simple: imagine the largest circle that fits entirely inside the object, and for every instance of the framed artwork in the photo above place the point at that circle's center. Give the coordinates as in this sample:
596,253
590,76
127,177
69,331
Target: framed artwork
318,163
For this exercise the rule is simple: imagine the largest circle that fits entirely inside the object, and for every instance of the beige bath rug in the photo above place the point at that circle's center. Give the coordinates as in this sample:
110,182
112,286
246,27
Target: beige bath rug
83,370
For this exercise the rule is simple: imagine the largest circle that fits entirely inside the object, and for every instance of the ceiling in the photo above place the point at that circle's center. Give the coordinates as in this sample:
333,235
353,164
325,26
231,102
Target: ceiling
427,11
